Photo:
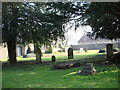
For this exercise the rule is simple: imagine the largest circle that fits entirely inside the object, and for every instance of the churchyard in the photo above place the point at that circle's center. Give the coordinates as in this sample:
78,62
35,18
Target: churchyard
27,74
45,24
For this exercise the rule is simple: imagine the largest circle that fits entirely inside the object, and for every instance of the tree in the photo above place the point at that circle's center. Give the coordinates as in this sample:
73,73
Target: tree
104,18
10,29
39,23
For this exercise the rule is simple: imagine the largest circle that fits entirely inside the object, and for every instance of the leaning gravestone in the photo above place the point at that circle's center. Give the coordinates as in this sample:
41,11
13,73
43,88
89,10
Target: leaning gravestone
38,55
109,50
88,69
53,58
70,53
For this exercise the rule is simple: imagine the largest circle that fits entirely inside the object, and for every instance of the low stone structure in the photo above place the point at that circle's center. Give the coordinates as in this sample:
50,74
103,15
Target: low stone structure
64,65
88,69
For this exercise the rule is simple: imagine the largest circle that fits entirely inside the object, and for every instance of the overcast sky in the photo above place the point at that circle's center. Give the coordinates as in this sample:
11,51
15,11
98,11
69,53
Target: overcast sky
74,36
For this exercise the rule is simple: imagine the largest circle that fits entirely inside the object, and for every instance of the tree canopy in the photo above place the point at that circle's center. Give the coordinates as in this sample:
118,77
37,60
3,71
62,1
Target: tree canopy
32,22
104,18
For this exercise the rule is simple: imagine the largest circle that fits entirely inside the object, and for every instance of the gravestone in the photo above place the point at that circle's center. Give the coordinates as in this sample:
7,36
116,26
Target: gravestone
81,50
109,50
70,53
53,58
38,55
88,69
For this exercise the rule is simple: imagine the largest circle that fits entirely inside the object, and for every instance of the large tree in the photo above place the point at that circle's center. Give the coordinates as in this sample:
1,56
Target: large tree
31,22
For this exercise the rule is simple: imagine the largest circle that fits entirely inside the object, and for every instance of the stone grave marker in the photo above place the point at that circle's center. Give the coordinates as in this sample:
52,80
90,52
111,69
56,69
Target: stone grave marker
70,53
109,48
88,69
53,58
38,55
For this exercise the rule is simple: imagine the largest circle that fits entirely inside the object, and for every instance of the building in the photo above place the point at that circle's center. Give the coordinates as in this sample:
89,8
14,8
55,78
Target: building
94,44
20,50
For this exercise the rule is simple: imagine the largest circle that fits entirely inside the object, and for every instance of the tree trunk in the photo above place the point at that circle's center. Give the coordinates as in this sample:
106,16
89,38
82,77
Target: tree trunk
12,51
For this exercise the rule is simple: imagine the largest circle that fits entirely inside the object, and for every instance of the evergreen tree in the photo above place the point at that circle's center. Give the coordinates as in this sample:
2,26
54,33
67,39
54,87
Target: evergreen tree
30,22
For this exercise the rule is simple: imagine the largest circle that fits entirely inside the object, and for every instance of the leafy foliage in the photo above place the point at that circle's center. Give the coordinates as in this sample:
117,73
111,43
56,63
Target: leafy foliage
104,18
27,22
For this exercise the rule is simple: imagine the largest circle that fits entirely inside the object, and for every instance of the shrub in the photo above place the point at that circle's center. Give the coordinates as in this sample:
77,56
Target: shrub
101,51
114,50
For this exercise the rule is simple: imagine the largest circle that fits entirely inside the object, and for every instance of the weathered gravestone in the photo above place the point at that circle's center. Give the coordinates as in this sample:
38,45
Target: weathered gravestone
70,53
38,55
81,50
109,48
88,69
53,58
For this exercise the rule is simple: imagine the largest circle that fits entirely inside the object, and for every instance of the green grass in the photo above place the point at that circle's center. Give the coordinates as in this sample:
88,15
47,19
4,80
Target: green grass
43,76
61,56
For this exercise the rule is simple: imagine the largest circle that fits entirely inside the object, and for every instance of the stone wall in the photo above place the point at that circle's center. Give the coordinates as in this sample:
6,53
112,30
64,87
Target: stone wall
94,46
3,52
118,45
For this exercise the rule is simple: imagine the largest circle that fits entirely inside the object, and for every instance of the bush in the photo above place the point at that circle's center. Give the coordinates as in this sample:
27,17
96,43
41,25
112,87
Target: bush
85,49
29,55
101,51
60,50
28,50
114,50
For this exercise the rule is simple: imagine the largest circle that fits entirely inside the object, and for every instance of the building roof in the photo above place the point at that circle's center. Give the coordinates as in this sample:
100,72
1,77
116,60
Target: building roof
87,40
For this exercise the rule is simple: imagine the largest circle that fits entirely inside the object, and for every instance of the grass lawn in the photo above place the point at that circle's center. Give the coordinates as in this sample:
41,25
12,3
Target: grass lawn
62,56
43,76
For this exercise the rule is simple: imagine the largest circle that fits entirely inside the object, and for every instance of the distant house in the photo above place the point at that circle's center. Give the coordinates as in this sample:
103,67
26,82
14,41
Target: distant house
93,44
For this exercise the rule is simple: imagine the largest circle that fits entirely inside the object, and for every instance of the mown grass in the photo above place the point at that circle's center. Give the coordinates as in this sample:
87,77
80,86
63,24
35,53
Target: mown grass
44,76
61,56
